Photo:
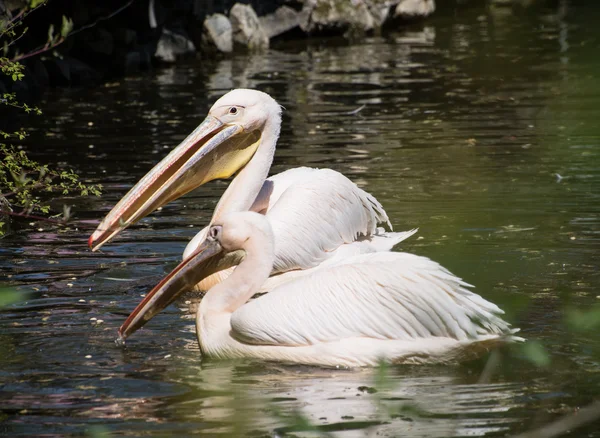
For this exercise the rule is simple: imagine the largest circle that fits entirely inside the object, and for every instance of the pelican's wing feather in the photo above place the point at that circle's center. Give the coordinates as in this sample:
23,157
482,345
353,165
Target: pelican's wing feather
369,244
313,212
379,295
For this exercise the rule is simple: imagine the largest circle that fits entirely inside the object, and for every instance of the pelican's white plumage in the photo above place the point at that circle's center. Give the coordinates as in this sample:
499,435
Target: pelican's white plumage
386,296
313,213
355,312
316,214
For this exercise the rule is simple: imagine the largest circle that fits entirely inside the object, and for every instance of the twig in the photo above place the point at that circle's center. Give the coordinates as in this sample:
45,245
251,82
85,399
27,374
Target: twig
41,49
490,368
35,186
16,39
106,17
9,103
30,216
62,39
15,18
567,423
357,110
11,24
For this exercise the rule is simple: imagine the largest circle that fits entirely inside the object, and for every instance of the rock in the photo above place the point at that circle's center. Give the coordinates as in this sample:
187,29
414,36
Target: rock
414,8
58,70
36,77
95,47
80,72
329,15
218,33
124,37
380,10
147,52
171,45
97,40
282,20
246,27
132,62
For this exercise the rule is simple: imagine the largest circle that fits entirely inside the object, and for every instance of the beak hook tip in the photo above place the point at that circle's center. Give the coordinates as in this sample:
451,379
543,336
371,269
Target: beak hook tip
120,341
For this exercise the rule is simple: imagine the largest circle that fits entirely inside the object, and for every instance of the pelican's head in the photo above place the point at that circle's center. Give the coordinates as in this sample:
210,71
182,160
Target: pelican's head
236,230
249,109
220,146
228,241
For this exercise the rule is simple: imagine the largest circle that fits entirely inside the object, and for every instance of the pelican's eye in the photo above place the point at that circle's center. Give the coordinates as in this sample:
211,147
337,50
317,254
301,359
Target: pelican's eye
214,233
233,110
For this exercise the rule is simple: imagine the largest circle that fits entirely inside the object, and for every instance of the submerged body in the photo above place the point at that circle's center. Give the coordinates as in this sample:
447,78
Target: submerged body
398,307
317,215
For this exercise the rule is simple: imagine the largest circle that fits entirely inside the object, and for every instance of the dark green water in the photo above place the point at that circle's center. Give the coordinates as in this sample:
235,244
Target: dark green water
481,128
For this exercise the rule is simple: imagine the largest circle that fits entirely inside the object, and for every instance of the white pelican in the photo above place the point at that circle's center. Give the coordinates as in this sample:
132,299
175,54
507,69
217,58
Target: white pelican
316,214
394,306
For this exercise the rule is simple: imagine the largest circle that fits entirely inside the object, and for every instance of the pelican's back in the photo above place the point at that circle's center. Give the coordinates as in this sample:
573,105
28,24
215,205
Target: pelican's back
317,216
315,211
378,296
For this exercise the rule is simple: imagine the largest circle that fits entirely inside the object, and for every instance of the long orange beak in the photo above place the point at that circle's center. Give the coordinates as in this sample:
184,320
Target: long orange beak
206,260
214,150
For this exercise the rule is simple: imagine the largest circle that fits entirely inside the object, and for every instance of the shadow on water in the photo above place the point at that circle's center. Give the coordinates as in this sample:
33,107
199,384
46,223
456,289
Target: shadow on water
480,128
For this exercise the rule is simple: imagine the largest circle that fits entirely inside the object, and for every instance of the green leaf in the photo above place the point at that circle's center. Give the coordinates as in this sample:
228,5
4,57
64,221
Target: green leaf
382,377
66,212
67,27
583,320
9,296
51,33
535,352
98,432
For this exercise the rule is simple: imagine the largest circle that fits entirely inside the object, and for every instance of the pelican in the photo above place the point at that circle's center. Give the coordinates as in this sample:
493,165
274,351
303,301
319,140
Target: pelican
389,306
317,215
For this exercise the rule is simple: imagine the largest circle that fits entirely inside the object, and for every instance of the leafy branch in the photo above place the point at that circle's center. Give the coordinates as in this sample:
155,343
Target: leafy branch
27,184
8,27
10,65
53,41
10,99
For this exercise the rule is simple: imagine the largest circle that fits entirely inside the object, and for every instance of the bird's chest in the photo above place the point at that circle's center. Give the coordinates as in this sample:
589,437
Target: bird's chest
213,333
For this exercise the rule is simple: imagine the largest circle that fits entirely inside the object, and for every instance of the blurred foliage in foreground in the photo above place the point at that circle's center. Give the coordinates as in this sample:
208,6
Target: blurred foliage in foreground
9,296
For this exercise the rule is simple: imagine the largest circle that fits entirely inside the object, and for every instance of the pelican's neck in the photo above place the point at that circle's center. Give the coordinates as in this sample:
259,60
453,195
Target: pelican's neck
244,188
245,280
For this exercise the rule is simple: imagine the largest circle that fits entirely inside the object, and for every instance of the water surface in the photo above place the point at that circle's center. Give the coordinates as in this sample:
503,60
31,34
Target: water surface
479,127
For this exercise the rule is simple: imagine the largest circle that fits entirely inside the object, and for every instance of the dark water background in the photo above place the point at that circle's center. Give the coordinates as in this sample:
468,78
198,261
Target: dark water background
480,127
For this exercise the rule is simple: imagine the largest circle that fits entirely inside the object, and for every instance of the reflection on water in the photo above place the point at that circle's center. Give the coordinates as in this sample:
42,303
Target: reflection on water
479,128
421,404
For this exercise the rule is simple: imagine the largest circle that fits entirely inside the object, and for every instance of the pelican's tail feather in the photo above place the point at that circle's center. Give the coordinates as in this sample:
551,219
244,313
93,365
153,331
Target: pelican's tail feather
385,241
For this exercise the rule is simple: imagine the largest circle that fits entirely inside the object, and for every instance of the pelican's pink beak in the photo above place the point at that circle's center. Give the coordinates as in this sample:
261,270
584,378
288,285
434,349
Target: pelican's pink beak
208,258
214,150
